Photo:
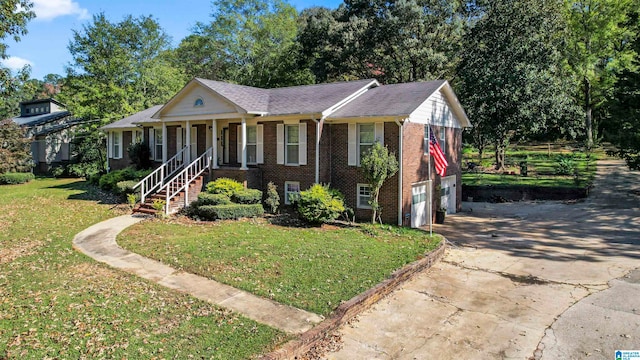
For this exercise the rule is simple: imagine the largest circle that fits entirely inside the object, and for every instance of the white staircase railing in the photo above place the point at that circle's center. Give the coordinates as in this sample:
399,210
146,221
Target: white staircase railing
158,176
184,178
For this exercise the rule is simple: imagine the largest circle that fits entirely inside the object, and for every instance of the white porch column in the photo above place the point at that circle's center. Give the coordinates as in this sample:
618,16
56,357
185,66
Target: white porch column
317,159
164,142
243,166
187,153
214,143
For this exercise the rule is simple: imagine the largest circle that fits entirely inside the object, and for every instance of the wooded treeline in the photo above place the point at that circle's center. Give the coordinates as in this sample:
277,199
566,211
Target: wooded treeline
523,69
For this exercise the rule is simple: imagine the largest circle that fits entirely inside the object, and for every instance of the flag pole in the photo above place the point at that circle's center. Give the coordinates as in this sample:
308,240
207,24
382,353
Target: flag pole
430,182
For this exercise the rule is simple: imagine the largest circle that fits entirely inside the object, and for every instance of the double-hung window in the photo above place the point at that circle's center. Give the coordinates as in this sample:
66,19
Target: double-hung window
443,140
366,138
364,196
117,144
158,144
252,145
292,144
291,191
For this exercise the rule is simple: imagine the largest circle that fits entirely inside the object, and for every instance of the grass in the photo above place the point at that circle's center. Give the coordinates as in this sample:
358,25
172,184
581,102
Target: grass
58,303
309,268
542,166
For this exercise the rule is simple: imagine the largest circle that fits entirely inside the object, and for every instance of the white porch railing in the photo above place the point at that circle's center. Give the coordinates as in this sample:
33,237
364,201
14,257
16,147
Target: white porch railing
158,176
185,178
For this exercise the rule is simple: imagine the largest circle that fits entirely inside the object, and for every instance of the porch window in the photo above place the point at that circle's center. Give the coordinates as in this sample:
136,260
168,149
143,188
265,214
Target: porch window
158,145
116,143
364,196
292,149
291,190
366,138
252,144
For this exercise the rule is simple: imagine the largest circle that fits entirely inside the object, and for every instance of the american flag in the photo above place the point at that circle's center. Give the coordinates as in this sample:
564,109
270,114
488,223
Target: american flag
438,155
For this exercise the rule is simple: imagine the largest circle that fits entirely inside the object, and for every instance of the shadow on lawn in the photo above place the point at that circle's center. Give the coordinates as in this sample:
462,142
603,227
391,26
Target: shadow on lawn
88,192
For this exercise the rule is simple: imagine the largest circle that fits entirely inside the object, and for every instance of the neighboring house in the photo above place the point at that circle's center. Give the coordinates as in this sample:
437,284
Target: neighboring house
301,135
52,128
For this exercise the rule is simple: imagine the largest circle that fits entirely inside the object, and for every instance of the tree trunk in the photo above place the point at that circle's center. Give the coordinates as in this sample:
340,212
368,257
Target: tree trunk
374,207
588,107
499,154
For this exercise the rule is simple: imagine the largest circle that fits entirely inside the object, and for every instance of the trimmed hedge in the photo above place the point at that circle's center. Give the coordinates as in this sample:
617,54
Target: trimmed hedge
247,196
320,204
15,178
230,211
110,180
211,199
126,186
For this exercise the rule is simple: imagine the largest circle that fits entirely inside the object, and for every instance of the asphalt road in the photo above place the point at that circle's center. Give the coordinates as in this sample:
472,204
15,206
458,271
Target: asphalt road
528,280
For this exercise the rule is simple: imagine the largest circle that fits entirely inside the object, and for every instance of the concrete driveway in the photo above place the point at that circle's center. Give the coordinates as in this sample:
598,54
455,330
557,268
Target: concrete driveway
546,280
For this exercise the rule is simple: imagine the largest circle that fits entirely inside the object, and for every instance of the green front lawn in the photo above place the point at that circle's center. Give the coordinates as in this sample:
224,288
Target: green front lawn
57,303
310,268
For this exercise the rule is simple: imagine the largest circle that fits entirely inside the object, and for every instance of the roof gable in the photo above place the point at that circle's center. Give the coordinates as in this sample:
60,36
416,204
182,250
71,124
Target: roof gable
141,117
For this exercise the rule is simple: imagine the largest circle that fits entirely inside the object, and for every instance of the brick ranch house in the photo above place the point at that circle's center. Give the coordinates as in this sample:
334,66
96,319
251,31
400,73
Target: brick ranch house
301,135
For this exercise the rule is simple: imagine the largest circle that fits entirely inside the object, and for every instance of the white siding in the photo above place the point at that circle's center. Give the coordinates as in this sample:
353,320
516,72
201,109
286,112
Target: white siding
184,105
436,111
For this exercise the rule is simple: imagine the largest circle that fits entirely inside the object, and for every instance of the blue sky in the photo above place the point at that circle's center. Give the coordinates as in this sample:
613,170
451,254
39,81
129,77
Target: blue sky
45,45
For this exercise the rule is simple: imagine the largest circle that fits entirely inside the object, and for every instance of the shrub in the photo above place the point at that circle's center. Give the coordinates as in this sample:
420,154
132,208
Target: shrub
224,186
273,199
110,180
230,211
564,165
126,186
247,196
132,200
140,155
211,199
319,204
15,178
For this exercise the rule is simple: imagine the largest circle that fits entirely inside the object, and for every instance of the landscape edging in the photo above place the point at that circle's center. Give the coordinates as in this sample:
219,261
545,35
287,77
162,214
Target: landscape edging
351,308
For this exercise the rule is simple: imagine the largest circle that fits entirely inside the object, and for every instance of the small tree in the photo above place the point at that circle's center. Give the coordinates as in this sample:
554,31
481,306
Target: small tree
140,155
273,199
15,152
377,166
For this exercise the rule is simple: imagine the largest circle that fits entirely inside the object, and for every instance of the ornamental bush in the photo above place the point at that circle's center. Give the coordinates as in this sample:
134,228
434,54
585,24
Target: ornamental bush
320,204
126,186
15,178
110,180
211,199
225,186
247,196
229,211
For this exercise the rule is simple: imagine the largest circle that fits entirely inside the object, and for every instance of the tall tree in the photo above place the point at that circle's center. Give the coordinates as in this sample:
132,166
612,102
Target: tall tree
14,16
624,106
394,41
597,50
15,148
119,68
510,77
250,42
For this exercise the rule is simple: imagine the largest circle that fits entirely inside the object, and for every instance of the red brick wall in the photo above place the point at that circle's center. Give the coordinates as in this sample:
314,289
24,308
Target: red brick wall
415,163
346,178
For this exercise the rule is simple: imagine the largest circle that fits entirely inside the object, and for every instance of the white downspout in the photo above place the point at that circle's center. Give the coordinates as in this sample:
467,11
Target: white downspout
400,195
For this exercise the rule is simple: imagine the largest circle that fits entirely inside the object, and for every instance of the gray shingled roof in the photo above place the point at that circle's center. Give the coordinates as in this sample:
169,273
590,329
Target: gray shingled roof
311,99
40,119
141,117
389,100
251,99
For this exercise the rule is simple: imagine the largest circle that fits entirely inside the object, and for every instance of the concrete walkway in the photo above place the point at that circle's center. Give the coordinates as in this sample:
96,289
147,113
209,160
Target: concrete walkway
99,242
541,280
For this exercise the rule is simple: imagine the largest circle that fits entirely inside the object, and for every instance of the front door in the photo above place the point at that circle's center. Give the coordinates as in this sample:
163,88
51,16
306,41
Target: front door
448,194
419,211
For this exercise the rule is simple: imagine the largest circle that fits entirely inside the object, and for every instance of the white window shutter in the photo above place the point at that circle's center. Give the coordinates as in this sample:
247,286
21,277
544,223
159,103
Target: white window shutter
302,144
353,145
260,144
379,133
280,143
239,144
110,144
152,143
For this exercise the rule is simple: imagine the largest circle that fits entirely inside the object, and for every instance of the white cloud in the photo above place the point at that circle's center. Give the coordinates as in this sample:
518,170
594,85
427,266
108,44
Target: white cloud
51,9
16,63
